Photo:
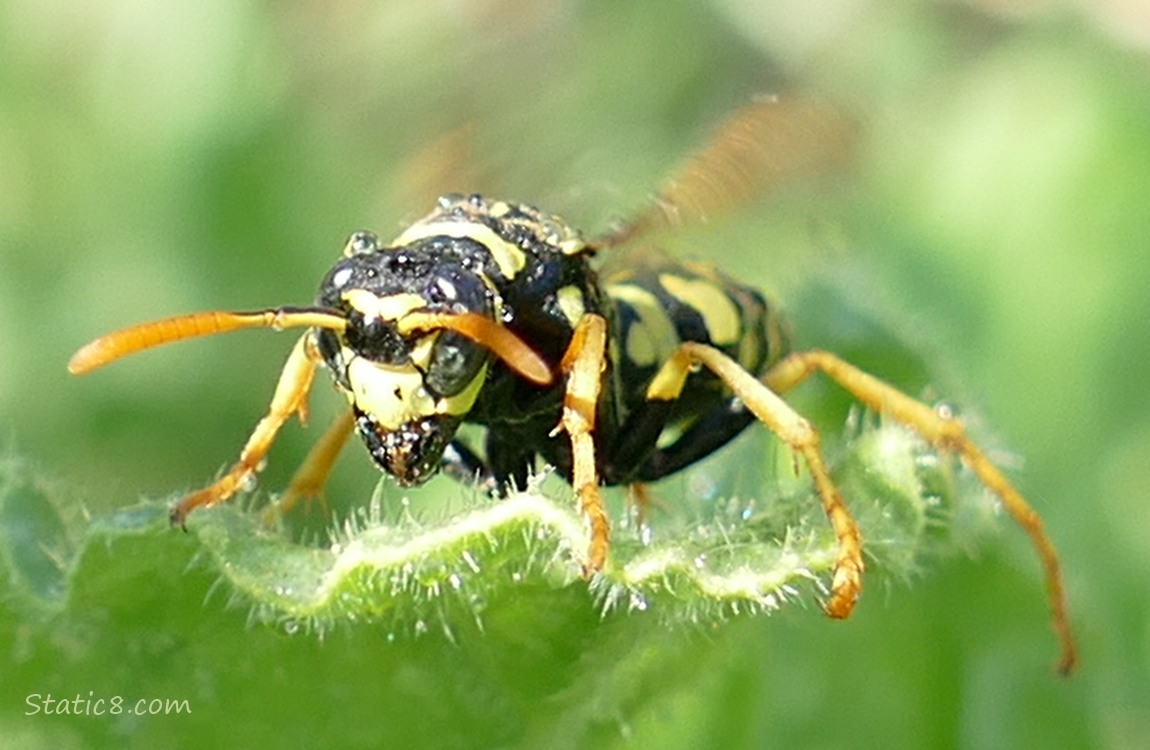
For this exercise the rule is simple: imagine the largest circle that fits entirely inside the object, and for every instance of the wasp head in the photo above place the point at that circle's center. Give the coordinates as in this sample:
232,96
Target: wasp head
410,381
421,325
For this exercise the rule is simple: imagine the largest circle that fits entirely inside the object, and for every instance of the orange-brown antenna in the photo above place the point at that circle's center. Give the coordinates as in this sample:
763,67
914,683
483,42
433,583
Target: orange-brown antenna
504,344
136,338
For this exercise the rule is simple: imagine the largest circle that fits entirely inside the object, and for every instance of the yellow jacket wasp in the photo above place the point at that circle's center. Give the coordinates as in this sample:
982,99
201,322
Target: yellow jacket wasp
491,313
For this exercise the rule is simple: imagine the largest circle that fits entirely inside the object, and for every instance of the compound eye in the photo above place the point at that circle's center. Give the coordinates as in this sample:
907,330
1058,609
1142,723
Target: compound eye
455,361
361,243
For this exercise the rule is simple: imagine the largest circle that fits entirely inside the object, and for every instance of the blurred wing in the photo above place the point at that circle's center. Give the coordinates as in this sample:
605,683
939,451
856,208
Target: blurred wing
444,163
765,144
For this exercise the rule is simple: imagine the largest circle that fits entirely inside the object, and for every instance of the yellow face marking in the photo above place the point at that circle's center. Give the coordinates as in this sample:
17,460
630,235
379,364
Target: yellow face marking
507,256
720,314
570,299
395,394
392,394
391,307
421,352
653,338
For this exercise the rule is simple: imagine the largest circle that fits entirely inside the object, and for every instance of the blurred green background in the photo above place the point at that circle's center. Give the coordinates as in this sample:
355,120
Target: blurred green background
163,158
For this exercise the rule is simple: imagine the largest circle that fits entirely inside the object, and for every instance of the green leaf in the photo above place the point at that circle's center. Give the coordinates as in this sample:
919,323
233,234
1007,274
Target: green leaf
740,557
473,600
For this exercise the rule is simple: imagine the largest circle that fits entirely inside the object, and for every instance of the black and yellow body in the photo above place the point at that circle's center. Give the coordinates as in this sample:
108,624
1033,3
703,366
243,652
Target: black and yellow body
656,304
493,313
535,275
504,261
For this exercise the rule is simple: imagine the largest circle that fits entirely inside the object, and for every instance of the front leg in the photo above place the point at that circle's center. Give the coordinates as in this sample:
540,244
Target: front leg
466,467
311,476
584,363
290,398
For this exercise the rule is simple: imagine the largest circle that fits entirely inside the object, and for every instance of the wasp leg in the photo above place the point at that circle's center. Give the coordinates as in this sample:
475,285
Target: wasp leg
584,362
945,433
290,398
776,414
639,504
312,474
465,466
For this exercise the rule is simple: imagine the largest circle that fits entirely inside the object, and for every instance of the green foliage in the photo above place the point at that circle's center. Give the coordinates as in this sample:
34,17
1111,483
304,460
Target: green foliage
988,248
461,585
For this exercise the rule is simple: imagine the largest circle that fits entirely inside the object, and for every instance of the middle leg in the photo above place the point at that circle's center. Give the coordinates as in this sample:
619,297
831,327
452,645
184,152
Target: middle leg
311,476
